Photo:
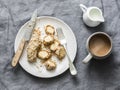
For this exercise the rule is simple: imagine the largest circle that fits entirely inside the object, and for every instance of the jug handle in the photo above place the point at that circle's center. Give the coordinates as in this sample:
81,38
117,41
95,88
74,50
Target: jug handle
83,7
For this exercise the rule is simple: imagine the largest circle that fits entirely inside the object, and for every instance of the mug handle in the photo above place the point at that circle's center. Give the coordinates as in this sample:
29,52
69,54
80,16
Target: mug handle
88,58
83,7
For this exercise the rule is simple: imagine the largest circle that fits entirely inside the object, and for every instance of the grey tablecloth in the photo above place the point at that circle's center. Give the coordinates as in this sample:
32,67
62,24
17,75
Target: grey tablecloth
102,75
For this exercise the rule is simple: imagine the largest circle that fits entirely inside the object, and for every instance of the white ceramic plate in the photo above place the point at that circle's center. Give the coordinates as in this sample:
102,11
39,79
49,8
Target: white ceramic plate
38,69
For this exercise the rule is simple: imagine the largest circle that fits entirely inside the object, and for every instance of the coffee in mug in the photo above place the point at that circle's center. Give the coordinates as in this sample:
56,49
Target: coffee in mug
99,46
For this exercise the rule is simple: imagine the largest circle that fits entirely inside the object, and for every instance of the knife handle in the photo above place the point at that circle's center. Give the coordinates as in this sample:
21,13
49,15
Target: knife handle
18,53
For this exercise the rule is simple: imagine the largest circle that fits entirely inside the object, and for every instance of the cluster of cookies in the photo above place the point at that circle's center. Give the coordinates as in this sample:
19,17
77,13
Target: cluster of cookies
47,47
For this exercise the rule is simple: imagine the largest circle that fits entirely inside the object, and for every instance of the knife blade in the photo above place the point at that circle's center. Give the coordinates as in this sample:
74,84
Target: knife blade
26,37
30,26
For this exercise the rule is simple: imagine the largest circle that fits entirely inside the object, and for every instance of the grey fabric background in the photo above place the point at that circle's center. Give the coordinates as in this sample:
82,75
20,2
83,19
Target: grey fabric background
97,75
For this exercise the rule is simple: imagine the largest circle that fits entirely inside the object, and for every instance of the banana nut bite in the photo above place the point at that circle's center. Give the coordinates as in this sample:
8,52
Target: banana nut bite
47,40
44,54
54,46
50,65
50,30
60,52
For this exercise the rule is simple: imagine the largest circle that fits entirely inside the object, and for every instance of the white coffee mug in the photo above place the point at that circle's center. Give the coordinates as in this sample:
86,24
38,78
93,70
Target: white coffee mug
92,16
91,54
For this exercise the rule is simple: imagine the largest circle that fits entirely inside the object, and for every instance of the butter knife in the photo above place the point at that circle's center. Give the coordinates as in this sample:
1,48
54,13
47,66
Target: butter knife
26,37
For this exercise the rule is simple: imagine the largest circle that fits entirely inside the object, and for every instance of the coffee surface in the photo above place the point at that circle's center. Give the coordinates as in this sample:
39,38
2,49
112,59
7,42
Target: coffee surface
99,45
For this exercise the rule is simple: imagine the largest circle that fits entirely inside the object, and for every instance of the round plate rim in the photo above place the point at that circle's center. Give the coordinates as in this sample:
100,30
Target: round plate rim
69,30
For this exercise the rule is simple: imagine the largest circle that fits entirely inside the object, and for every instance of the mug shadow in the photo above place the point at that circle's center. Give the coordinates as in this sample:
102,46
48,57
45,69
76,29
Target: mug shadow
103,68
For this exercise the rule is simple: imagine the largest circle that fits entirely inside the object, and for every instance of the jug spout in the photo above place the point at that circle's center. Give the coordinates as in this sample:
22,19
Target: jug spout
101,19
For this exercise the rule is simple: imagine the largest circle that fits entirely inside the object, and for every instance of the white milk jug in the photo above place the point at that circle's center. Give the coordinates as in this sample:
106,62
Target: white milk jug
92,16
